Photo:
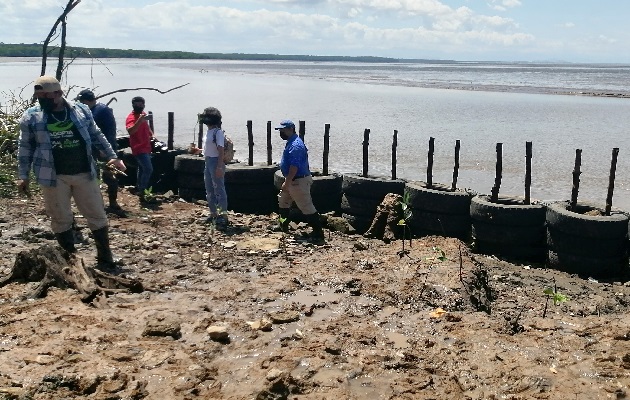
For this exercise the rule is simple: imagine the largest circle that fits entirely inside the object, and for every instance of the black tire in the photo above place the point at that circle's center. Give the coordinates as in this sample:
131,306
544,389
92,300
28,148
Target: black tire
449,225
613,226
355,205
190,181
260,207
190,164
508,211
438,199
371,187
192,194
509,235
596,267
512,252
241,173
360,223
565,243
253,193
321,183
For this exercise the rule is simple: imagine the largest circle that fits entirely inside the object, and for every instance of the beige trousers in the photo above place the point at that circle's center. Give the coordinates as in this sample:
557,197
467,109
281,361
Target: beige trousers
87,196
299,191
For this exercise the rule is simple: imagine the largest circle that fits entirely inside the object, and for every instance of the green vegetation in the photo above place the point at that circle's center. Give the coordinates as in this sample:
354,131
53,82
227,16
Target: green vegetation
35,50
10,114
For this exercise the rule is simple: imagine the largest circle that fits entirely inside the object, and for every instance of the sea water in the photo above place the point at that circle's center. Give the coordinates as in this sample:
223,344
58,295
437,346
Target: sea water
480,104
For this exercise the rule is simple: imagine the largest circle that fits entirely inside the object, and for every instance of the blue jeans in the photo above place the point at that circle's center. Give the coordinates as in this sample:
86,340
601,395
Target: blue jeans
215,187
145,169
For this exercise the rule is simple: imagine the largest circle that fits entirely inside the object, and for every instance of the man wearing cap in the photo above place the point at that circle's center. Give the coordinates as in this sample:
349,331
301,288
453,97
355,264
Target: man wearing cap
56,140
104,118
297,181
140,135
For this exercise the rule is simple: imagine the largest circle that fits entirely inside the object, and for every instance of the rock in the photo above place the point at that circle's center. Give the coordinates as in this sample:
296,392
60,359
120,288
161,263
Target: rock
163,326
361,245
339,224
283,317
274,374
218,333
229,245
260,325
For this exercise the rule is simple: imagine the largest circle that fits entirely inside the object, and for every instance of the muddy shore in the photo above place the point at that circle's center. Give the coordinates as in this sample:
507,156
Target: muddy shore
250,313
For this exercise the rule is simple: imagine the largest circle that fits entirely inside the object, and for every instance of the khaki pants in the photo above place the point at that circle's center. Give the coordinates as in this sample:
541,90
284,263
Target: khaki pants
299,191
87,197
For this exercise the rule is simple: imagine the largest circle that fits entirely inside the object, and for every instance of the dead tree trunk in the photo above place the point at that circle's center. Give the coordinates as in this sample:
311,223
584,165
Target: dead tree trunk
61,20
53,267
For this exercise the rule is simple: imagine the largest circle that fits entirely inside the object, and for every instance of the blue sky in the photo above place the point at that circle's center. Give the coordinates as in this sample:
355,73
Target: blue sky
464,30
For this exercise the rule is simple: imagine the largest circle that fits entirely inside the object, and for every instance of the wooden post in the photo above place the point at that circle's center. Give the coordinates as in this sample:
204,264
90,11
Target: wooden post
151,122
326,149
366,145
200,136
456,167
269,146
171,130
576,179
394,148
528,172
430,162
250,141
499,173
611,180
302,130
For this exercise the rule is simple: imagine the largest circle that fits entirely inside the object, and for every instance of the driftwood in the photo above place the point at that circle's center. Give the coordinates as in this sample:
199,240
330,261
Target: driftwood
61,20
53,267
385,223
142,88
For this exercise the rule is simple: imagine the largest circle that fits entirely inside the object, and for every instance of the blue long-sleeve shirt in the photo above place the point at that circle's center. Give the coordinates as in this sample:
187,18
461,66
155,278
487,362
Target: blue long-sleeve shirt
104,118
295,153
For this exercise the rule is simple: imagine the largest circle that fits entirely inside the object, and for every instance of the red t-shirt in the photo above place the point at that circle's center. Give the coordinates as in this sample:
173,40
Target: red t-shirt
140,141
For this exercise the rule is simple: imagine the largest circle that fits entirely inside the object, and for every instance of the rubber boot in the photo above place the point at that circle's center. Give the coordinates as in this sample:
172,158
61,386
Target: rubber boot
316,223
66,240
283,219
112,194
104,257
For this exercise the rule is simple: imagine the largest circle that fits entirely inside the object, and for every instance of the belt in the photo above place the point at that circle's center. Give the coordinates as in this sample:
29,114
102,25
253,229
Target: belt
301,176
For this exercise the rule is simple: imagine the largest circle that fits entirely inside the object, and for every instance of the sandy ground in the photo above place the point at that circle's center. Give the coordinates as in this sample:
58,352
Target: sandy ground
251,314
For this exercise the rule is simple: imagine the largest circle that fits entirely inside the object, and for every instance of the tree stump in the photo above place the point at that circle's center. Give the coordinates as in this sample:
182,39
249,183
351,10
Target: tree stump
385,223
52,266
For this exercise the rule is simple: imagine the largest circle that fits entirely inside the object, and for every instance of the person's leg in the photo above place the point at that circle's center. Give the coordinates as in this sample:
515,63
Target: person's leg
145,169
58,208
209,176
301,193
112,189
87,197
284,205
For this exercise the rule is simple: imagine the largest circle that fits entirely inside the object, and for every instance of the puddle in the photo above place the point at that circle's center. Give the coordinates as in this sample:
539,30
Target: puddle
387,311
330,377
309,298
399,340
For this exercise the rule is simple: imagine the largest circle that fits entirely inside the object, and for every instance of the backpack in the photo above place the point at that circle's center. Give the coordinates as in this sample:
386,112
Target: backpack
228,147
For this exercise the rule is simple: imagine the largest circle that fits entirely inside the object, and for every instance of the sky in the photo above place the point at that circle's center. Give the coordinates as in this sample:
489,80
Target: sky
463,30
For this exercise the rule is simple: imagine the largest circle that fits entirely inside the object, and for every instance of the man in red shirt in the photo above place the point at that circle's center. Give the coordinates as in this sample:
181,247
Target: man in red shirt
140,135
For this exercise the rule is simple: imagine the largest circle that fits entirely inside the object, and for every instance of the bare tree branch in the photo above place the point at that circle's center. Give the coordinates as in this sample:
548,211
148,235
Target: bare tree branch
143,88
71,4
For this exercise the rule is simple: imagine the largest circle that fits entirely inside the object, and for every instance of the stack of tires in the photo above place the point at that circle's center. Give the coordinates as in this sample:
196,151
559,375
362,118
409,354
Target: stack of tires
586,241
164,177
250,189
509,228
325,192
362,195
438,210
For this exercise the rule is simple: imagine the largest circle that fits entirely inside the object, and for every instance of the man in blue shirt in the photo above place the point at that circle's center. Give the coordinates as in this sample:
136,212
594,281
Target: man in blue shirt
104,118
297,181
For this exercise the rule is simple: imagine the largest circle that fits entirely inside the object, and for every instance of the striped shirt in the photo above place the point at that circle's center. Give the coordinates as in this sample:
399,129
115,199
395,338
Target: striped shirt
35,148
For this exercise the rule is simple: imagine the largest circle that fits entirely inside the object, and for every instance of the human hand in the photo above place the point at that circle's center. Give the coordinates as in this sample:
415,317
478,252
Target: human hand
117,163
220,171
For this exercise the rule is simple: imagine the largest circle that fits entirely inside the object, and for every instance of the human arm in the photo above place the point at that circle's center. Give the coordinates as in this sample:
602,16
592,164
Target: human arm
293,169
134,122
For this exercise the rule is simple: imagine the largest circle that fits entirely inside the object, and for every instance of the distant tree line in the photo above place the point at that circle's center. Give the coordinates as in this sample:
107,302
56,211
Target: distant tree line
35,50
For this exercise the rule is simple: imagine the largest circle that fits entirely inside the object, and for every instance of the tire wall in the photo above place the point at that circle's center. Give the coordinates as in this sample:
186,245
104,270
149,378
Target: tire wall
250,189
509,228
438,210
584,244
362,195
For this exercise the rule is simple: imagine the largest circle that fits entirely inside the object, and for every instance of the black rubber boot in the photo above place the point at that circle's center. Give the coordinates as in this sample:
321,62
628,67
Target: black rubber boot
316,223
104,257
283,220
66,240
112,194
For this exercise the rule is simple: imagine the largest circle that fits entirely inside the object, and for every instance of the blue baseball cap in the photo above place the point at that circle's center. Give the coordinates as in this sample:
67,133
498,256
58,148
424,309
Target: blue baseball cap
287,123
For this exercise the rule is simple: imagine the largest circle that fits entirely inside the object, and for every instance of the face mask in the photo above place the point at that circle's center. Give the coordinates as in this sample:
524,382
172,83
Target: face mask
46,104
138,109
284,136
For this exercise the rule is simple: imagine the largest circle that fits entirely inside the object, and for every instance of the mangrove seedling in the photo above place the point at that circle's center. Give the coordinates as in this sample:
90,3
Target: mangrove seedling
552,293
406,216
